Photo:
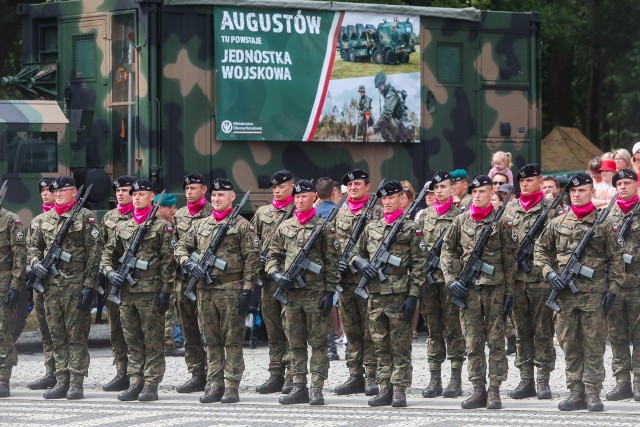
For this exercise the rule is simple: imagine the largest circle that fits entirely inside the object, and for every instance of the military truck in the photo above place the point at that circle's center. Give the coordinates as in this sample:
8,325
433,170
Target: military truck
395,43
357,42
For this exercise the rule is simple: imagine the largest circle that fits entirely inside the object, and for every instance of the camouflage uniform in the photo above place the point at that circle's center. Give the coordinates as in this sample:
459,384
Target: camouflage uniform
464,202
142,323
364,106
221,325
393,115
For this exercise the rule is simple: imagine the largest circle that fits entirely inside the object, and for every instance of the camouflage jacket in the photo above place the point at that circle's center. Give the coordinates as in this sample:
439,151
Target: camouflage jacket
393,108
464,202
520,222
433,225
13,251
562,235
82,242
184,220
266,221
239,249
345,222
110,221
364,104
630,245
409,246
499,251
289,239
156,249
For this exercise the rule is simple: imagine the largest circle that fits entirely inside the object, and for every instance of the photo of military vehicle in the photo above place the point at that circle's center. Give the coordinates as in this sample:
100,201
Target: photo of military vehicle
390,43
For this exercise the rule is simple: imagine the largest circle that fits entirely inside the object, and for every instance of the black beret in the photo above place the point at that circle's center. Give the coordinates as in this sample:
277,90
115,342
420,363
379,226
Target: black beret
389,188
193,178
578,180
45,182
353,175
221,184
529,171
62,182
280,177
124,181
304,186
438,177
141,184
624,174
480,181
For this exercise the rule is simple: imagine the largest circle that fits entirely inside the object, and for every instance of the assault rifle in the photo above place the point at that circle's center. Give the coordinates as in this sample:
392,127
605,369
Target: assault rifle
382,256
433,259
573,268
525,250
56,253
302,263
129,261
209,259
624,230
263,255
474,266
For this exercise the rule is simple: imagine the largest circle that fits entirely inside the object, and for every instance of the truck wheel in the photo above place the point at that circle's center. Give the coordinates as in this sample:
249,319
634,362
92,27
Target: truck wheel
405,58
390,58
352,55
343,55
378,56
22,314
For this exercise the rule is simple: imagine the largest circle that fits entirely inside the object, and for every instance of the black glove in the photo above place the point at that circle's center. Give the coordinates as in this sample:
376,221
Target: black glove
244,299
507,306
281,280
607,302
11,298
163,302
115,278
457,289
86,298
326,303
194,269
555,282
342,266
408,307
364,267
39,270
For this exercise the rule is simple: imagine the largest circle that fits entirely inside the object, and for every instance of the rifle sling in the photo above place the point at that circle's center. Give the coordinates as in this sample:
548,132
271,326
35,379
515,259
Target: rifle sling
145,274
77,265
228,278
6,266
394,271
634,266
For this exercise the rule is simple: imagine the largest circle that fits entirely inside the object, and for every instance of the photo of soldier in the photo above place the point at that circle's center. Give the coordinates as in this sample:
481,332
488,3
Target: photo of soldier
394,124
365,119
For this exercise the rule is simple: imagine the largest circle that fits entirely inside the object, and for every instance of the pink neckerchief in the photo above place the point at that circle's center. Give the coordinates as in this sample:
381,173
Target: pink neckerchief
356,206
196,207
480,213
627,205
391,217
281,204
125,209
62,209
442,208
219,216
527,201
584,210
46,208
141,215
305,217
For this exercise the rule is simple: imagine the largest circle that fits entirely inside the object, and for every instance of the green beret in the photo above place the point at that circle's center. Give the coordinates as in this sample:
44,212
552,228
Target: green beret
459,174
168,199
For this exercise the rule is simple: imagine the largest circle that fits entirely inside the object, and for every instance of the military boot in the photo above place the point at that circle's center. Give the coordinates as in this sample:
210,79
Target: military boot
525,389
544,392
230,395
315,396
57,392
273,384
574,402
434,389
4,389
454,388
76,392
132,392
288,384
44,383
621,391
399,397
594,404
353,385
370,386
195,383
119,383
493,398
636,390
149,393
383,398
478,398
299,394
213,394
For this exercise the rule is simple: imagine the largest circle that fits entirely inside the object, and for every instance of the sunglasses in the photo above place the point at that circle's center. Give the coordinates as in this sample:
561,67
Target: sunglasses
499,182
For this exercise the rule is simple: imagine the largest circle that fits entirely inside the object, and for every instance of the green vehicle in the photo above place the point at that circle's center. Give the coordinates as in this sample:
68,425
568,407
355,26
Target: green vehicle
356,43
395,43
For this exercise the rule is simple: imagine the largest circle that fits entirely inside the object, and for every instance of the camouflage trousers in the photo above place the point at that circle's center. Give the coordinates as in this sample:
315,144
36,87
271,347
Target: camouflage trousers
510,328
118,344
143,327
47,342
445,332
535,329
274,320
392,336
582,332
223,331
8,354
169,322
304,327
482,324
355,322
391,130
194,354
624,330
69,328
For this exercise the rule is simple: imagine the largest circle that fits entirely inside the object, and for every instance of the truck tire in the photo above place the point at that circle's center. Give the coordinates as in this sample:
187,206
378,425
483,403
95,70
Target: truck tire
352,55
405,58
22,314
390,57
343,55
378,56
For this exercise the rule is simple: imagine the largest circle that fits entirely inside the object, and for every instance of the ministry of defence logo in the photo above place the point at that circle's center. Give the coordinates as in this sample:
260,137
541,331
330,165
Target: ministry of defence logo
226,126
